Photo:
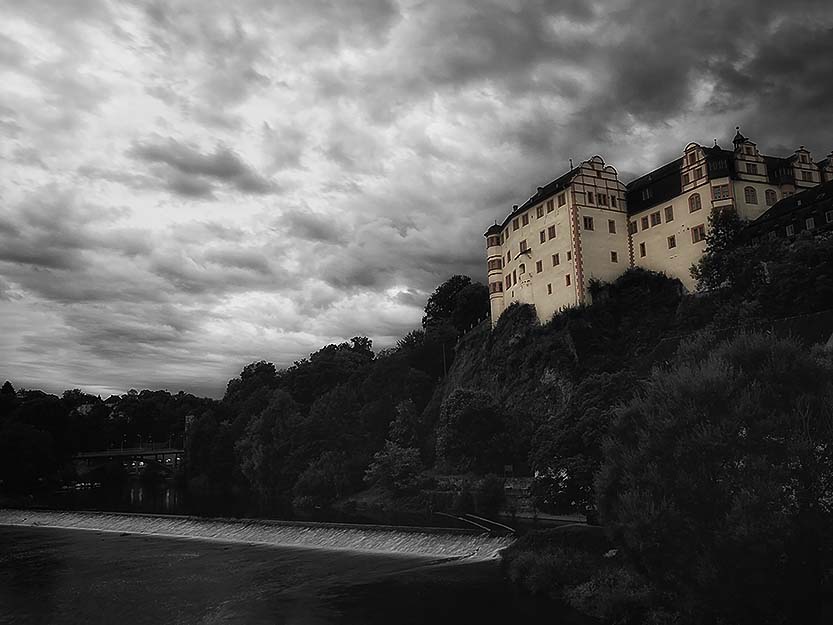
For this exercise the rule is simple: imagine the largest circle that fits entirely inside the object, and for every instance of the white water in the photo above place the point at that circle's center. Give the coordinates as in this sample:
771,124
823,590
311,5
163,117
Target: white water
380,539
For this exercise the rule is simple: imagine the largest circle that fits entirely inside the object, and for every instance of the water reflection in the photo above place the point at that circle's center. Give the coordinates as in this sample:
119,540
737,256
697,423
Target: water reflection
133,496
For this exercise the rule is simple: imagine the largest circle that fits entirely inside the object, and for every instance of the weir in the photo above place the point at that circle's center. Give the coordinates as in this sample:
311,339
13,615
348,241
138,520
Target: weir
416,541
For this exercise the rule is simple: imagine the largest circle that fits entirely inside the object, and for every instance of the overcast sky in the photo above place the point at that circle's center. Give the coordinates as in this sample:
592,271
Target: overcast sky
187,187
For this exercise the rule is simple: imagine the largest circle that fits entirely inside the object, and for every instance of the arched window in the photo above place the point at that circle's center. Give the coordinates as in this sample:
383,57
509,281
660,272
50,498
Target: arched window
694,203
771,197
522,268
750,195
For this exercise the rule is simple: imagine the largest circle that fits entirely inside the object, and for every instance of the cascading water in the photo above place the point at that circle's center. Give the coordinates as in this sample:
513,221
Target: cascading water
445,543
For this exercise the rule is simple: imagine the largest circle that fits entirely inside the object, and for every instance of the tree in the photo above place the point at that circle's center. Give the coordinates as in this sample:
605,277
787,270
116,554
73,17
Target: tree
471,435
7,389
715,268
327,478
442,302
395,468
567,449
263,448
718,482
471,305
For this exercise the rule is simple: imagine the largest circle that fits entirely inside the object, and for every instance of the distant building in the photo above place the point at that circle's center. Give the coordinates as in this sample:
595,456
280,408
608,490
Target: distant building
811,210
588,225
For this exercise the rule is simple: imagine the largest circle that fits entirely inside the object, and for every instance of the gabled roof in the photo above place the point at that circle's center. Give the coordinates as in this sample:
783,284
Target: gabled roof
544,193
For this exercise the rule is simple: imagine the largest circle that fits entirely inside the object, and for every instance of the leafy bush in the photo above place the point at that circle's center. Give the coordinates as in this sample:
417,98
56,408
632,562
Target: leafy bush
718,482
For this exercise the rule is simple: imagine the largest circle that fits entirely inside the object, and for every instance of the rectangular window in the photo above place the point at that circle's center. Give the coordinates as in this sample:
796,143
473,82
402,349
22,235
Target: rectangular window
672,242
646,194
644,222
495,287
720,192
550,207
508,282
669,213
515,224
698,233
632,227
542,236
692,158
614,257
495,263
525,219
807,176
569,255
492,240
685,179
601,199
803,158
613,201
752,168
567,279
549,289
562,199
698,173
539,212
539,266
828,217
655,219
790,230
523,246
555,260
551,232
588,223
642,249
589,197
810,223
611,226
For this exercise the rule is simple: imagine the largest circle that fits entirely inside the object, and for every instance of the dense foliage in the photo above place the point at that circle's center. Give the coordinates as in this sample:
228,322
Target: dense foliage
718,481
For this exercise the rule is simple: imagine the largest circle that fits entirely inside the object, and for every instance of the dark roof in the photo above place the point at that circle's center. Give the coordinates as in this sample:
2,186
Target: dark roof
493,229
739,138
543,193
664,183
820,194
779,170
719,162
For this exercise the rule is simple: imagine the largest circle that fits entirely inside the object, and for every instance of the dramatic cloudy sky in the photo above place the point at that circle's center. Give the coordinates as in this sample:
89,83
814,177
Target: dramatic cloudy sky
187,187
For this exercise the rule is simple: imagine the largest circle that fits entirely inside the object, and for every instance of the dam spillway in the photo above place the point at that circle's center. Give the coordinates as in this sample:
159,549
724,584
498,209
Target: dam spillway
414,541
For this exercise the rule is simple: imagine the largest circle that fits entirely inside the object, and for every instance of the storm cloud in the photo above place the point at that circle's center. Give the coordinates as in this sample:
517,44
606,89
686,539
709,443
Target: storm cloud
191,187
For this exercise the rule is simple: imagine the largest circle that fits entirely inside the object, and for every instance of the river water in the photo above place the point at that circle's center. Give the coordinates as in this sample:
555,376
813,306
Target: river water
61,576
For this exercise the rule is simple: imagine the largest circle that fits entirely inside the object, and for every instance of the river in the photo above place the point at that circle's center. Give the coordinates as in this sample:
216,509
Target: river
61,576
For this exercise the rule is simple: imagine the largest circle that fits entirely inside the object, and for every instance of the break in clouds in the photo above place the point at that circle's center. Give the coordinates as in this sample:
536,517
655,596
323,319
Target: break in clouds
188,187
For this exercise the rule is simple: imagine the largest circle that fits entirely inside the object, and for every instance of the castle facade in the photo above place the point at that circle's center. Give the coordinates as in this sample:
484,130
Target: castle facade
588,225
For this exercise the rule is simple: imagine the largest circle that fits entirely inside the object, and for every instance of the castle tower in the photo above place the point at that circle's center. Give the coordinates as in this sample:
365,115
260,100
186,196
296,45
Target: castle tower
494,259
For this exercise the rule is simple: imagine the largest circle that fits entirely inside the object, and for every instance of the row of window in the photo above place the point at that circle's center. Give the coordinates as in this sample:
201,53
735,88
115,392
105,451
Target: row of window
698,173
810,223
498,287
523,220
698,233
602,199
589,224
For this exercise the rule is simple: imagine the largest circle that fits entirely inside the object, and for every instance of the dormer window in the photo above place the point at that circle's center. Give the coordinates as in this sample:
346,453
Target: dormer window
804,158
749,150
646,194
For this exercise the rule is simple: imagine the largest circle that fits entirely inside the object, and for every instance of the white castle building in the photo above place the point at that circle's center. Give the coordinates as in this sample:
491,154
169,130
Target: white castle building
587,224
